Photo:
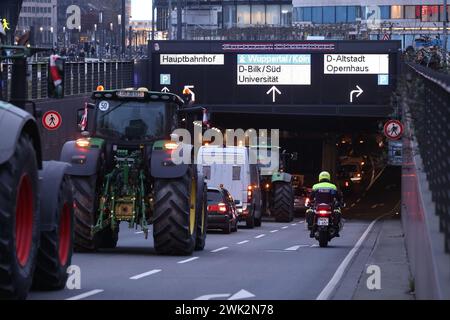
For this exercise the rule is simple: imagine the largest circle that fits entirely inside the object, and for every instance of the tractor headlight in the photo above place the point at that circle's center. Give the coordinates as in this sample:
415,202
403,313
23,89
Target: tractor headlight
83,143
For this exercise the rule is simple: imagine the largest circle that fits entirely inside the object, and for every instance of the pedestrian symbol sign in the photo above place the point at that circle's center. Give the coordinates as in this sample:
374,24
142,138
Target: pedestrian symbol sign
393,129
51,120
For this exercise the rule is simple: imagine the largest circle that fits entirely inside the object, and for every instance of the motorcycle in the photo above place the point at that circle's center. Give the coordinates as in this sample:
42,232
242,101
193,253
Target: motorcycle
324,226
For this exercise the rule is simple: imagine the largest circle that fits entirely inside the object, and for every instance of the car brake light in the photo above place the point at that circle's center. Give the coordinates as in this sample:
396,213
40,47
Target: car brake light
324,212
346,183
222,207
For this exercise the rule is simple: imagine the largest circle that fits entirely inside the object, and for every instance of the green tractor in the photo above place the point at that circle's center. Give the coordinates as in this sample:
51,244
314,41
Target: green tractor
122,170
277,192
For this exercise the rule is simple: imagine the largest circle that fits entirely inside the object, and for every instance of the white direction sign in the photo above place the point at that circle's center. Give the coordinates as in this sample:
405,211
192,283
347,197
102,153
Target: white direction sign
274,69
192,59
356,64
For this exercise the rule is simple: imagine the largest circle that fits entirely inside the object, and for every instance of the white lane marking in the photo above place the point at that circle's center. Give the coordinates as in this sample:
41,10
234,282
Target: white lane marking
243,294
330,287
145,274
220,249
293,248
273,231
260,236
353,204
302,221
86,294
358,201
285,227
139,232
374,206
242,242
188,260
293,224
213,296
314,245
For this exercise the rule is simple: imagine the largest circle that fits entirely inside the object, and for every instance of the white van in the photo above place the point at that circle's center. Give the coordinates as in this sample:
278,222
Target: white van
229,167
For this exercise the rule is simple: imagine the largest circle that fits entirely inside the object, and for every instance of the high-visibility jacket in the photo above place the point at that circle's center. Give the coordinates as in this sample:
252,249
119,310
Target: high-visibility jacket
325,192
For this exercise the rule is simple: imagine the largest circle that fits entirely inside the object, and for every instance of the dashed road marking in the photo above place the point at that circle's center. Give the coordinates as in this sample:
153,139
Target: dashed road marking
285,227
293,248
273,231
353,204
145,274
139,232
187,260
358,201
314,245
293,224
86,294
220,249
260,236
242,242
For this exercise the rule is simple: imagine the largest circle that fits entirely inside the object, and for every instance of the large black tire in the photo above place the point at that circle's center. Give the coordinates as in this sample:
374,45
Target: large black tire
323,238
86,205
283,202
19,220
55,252
173,231
250,221
202,220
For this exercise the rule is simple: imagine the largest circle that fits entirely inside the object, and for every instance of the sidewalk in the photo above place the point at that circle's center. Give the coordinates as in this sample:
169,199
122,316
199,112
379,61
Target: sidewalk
388,253
385,248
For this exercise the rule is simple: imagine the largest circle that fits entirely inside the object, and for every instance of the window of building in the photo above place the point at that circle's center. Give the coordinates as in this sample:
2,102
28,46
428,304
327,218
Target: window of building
229,16
385,12
273,14
341,14
258,14
352,13
430,13
317,15
441,13
297,14
307,14
286,15
412,12
236,174
243,14
396,12
329,14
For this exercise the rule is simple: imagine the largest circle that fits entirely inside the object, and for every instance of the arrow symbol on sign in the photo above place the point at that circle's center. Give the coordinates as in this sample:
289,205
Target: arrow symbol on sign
274,90
359,92
165,90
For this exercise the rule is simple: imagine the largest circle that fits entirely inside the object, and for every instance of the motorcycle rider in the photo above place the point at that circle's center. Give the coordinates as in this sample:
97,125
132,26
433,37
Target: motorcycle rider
325,192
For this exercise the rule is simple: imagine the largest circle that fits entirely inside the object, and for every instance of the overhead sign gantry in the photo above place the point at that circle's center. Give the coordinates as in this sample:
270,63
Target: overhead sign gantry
337,78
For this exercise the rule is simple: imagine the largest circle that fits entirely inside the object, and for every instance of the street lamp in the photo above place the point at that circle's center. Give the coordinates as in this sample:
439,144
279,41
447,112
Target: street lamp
41,29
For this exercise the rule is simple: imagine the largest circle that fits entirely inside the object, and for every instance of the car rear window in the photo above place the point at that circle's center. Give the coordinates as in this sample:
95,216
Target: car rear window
214,197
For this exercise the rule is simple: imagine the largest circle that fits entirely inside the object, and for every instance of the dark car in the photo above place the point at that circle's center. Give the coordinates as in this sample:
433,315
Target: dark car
301,199
222,213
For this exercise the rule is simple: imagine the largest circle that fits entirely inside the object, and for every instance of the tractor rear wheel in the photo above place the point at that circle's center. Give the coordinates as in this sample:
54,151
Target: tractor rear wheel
283,202
55,252
19,220
175,215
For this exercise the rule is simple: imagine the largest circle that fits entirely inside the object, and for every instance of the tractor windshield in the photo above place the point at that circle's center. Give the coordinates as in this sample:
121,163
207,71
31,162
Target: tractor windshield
131,120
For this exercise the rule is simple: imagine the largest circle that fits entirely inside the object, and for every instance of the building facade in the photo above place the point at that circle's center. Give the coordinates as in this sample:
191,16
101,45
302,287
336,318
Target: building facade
41,16
403,20
222,15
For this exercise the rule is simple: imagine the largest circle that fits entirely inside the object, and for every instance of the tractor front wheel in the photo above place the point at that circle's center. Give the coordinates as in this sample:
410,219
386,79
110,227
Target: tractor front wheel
283,202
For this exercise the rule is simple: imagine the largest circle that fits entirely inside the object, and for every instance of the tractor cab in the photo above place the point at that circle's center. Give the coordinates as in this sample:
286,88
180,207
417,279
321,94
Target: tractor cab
133,116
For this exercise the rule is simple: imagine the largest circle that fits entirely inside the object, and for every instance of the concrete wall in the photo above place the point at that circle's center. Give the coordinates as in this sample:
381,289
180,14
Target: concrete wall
424,242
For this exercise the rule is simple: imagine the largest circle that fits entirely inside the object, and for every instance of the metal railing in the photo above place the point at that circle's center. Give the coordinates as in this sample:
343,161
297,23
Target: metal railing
79,77
427,93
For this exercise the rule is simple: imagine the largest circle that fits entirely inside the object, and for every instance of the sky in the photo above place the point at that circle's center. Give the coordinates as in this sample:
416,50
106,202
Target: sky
141,9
